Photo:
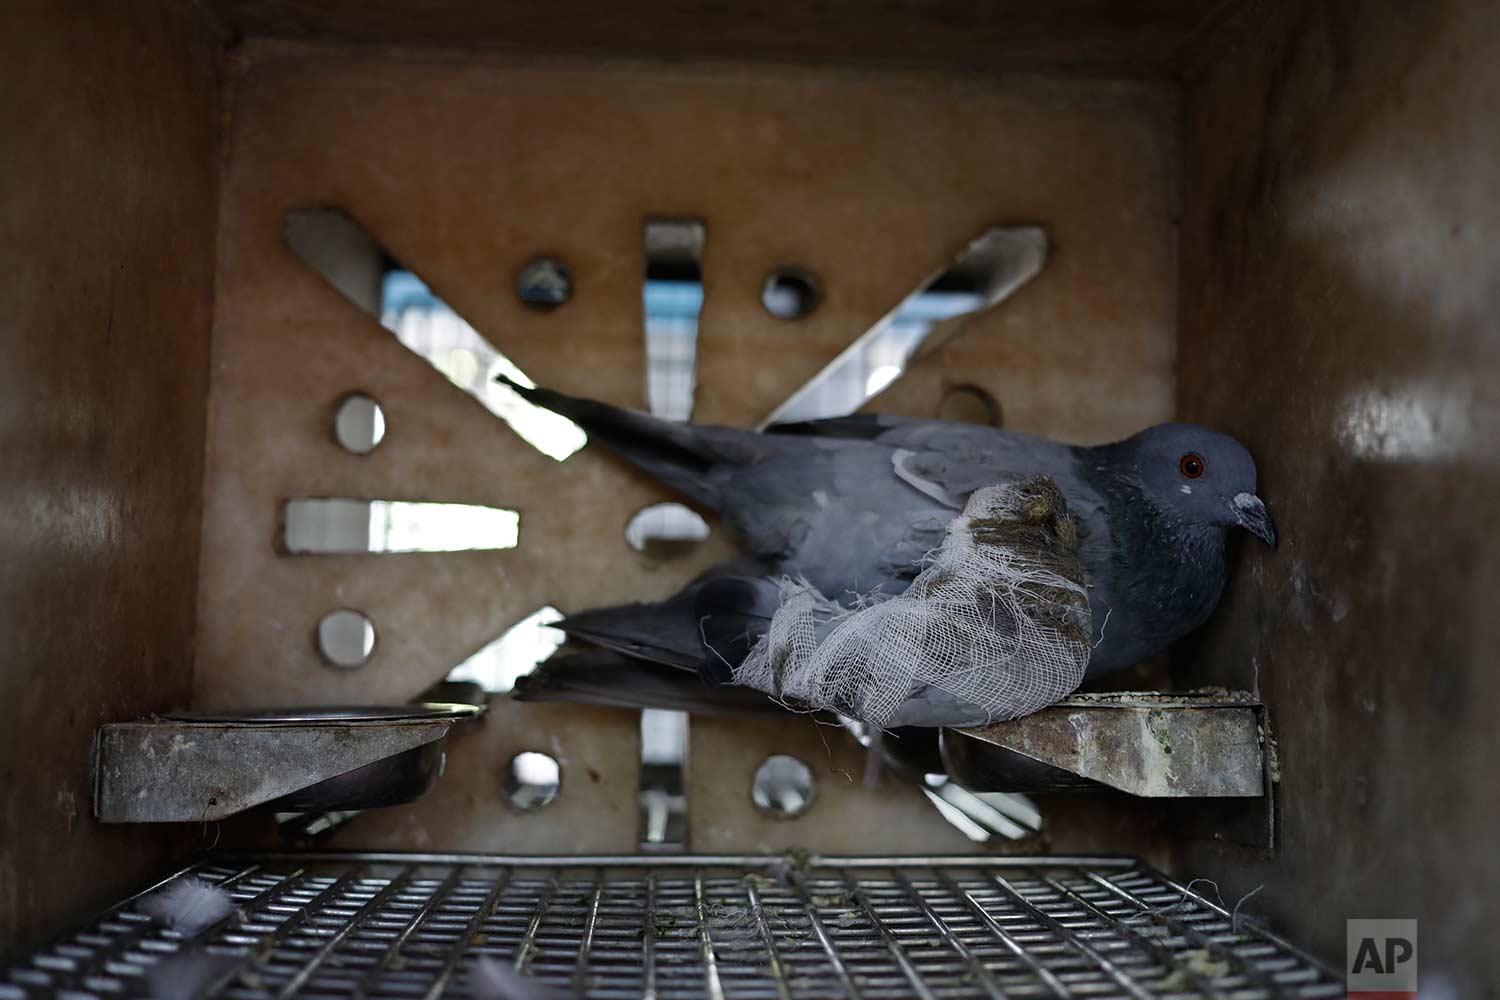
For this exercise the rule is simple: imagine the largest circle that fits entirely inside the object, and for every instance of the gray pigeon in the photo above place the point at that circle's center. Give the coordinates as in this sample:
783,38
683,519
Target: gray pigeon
853,504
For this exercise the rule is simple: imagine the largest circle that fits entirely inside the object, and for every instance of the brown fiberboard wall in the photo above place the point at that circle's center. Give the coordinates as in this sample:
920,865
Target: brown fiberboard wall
465,167
110,125
1341,314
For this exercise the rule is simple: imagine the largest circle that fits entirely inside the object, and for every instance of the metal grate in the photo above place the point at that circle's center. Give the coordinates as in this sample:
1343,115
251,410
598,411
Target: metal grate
413,926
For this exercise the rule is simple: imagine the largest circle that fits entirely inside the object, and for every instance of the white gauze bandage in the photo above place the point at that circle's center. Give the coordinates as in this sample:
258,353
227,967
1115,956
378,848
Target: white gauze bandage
998,620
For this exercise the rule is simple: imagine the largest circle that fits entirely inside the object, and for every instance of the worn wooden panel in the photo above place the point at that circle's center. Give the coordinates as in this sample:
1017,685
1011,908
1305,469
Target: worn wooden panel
1077,36
722,817
893,818
110,122
465,168
597,809
1339,314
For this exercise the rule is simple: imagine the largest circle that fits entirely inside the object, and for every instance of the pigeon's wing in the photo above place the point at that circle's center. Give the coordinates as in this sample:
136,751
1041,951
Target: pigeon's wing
607,678
917,471
948,462
858,426
860,514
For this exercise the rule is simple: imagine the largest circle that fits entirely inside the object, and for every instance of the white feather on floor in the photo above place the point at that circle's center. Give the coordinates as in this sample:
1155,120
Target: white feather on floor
188,905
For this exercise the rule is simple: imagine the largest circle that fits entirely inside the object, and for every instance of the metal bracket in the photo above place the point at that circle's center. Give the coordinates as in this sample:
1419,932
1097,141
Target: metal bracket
197,769
1143,743
1203,752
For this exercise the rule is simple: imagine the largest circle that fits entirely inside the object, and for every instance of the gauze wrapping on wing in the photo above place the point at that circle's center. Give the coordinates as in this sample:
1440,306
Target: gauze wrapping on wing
998,619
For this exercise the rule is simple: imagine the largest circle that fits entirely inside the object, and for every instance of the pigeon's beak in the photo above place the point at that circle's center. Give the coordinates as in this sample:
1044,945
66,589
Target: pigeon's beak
1250,514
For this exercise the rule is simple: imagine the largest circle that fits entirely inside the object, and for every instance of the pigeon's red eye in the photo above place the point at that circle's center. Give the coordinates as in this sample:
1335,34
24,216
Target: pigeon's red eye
1191,466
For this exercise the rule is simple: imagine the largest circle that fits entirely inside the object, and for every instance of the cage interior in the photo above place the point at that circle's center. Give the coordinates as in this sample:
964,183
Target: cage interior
267,258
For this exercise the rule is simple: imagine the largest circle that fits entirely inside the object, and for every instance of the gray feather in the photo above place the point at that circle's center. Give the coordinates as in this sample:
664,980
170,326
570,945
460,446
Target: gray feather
188,905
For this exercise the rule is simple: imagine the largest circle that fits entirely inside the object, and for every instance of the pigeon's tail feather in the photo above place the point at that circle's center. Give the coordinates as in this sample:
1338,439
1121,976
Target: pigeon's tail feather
665,633
680,455
605,678
671,631
732,613
856,426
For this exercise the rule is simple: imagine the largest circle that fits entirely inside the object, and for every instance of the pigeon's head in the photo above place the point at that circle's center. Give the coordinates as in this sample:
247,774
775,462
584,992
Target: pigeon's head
1202,476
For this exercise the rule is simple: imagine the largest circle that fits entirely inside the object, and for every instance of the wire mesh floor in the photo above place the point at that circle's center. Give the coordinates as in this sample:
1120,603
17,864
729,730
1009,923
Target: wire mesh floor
409,926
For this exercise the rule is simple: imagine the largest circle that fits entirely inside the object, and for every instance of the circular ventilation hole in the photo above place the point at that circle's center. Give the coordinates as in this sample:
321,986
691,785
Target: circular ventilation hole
783,787
544,283
346,638
666,530
969,404
789,293
358,423
532,779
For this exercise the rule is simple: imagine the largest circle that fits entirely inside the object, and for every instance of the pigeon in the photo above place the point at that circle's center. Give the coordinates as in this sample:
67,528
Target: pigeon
854,504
